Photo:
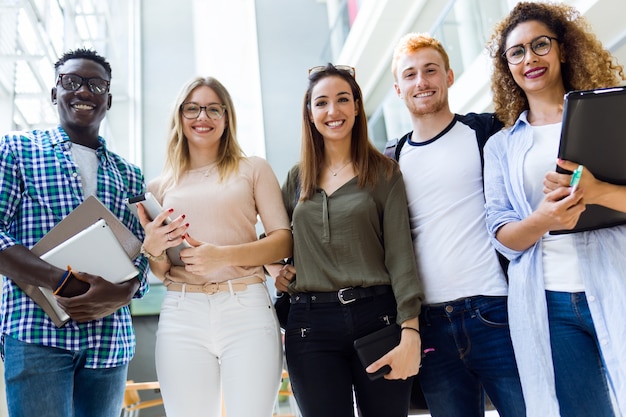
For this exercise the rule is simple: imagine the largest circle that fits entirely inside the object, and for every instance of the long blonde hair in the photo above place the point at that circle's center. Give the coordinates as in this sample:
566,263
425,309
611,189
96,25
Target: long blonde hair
177,161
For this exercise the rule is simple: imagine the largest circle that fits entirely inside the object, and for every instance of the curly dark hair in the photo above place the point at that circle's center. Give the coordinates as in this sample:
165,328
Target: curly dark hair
587,65
84,53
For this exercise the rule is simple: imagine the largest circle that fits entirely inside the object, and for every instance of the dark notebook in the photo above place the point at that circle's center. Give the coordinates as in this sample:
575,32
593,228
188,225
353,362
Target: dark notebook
594,135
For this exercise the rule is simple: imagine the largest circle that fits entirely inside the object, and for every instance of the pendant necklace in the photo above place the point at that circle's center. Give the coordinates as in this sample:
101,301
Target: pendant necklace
209,169
339,170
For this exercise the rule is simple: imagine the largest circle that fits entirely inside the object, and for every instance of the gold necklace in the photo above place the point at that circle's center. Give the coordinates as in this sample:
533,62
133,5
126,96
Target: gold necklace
339,170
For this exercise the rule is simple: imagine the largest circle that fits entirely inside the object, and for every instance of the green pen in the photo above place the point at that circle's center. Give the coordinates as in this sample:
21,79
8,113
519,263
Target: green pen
576,179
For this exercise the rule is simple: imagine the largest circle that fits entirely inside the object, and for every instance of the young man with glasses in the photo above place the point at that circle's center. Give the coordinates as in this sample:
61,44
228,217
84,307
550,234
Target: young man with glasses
463,320
78,369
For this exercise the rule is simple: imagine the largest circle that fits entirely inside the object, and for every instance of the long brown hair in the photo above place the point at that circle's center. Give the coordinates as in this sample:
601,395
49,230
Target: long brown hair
368,160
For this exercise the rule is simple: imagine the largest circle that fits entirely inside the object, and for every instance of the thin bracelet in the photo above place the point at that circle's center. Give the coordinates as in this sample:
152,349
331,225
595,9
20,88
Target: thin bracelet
64,278
411,328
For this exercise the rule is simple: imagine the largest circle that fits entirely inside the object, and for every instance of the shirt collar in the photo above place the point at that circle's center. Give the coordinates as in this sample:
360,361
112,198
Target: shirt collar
58,136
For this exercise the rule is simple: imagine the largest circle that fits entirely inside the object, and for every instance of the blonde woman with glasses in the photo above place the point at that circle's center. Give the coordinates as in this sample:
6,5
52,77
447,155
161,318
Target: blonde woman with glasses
217,333
354,269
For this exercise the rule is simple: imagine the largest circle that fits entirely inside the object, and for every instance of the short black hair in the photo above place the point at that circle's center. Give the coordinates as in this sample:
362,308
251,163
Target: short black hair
84,53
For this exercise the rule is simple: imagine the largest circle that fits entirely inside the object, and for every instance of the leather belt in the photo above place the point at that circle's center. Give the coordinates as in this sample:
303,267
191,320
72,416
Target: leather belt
237,284
343,296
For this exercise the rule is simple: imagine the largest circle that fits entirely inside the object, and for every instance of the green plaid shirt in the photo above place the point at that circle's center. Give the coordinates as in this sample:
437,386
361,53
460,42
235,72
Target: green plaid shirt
40,184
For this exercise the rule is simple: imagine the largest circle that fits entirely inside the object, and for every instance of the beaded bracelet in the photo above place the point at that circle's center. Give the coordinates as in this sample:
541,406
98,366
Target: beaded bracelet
411,328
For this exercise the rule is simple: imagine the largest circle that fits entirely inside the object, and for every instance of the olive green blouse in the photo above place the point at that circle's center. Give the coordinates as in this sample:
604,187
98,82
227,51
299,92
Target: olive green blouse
355,237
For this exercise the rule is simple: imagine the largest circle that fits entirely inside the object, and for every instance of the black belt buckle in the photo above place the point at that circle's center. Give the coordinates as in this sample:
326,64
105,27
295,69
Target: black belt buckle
342,300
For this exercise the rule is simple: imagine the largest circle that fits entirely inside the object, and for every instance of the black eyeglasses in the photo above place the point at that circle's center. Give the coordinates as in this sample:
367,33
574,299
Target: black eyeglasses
321,68
72,82
540,46
192,110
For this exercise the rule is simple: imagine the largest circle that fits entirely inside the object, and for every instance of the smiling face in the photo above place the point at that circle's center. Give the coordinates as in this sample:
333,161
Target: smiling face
423,81
536,74
332,108
81,112
203,133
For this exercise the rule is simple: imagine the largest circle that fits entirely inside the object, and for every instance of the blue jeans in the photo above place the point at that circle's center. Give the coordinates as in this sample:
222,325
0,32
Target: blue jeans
468,351
323,365
52,382
581,384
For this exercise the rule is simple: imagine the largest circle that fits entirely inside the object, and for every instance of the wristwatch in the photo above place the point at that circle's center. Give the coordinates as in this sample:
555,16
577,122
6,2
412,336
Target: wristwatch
151,257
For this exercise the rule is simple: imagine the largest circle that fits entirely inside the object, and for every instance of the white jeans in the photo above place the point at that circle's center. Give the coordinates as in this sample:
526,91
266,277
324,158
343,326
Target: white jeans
228,340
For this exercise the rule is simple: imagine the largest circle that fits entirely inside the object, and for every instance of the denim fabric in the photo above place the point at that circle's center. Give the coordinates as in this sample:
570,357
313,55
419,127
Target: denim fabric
468,351
323,365
53,382
581,384
602,266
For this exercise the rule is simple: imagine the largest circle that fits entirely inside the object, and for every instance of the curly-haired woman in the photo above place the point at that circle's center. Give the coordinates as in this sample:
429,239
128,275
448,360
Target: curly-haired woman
566,291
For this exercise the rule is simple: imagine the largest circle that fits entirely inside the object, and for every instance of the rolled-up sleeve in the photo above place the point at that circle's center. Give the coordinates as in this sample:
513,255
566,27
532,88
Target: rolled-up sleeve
499,208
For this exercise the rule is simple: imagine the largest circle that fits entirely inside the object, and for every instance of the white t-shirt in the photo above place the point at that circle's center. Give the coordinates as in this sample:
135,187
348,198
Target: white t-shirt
443,177
560,262
87,162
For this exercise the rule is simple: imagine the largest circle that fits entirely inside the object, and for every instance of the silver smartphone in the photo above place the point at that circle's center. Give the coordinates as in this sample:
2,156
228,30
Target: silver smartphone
153,208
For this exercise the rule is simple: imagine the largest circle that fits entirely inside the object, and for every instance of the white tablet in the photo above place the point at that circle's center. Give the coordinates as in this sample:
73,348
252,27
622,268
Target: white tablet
94,250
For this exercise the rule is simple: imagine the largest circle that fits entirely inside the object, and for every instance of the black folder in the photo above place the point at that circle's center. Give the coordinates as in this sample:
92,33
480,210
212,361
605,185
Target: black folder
594,135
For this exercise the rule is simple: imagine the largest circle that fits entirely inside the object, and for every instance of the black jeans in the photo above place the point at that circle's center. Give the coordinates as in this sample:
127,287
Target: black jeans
324,368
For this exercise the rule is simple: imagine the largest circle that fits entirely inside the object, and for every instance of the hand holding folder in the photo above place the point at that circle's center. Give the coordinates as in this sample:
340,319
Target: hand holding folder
85,215
593,135
71,285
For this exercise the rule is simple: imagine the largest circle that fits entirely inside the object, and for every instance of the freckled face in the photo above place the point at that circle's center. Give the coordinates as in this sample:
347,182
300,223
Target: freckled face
333,109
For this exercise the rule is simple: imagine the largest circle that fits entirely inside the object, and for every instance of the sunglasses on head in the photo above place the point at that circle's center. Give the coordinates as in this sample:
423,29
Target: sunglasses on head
322,68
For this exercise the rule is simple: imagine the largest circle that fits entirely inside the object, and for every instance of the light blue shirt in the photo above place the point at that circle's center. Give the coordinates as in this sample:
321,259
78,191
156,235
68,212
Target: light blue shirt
602,266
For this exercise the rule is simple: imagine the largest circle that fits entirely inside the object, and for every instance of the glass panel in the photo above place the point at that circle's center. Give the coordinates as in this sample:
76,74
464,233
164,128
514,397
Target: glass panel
463,31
